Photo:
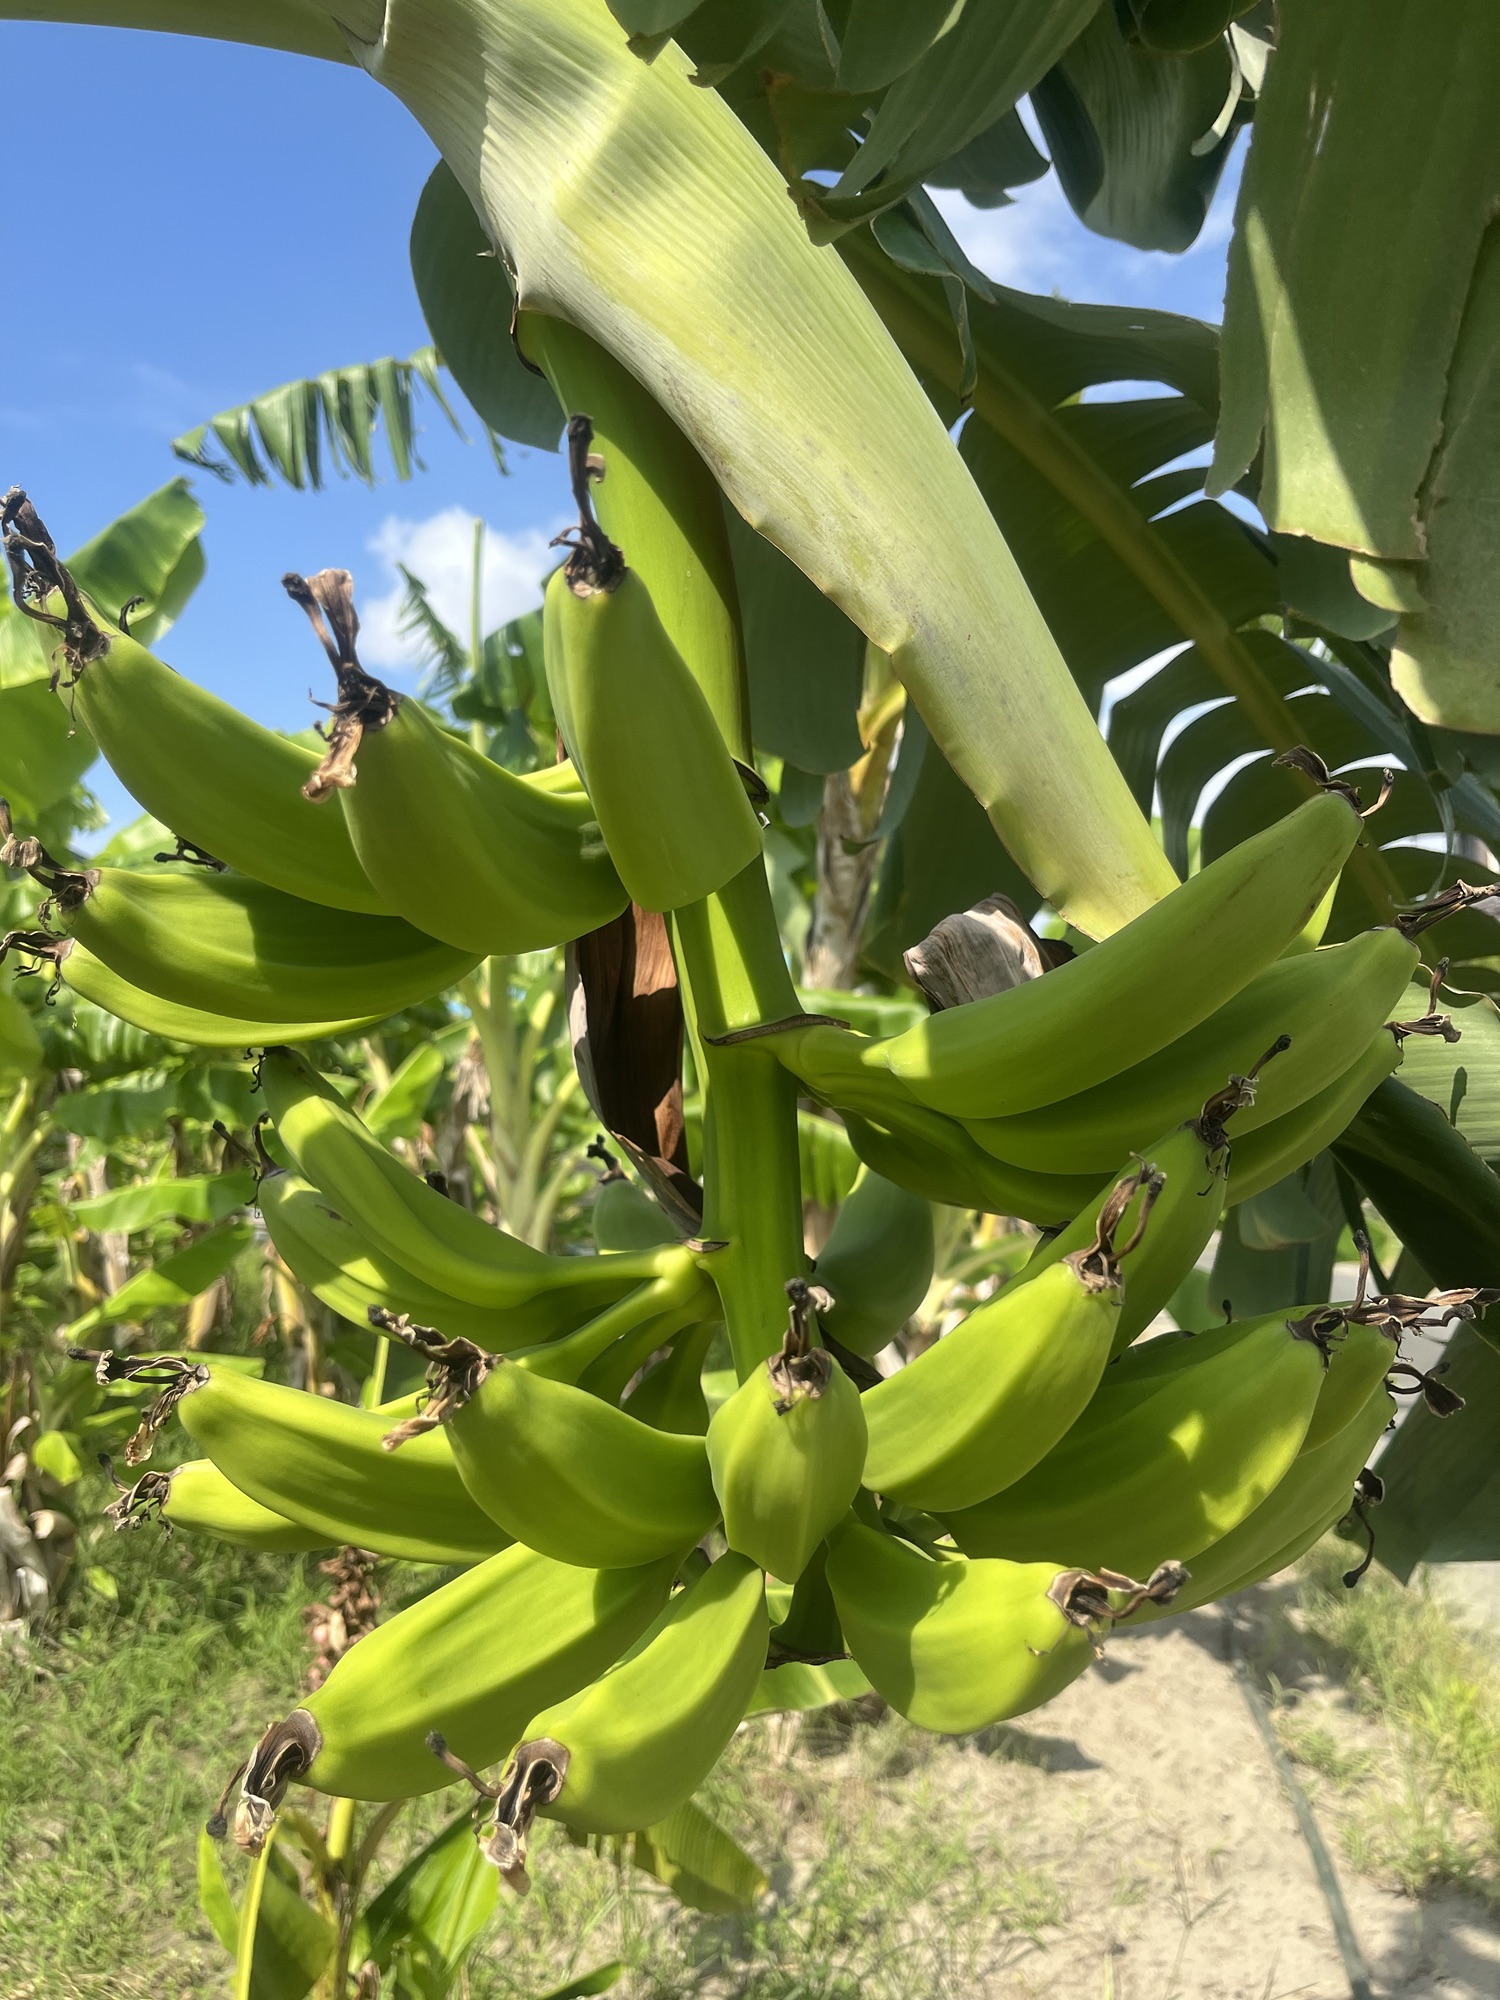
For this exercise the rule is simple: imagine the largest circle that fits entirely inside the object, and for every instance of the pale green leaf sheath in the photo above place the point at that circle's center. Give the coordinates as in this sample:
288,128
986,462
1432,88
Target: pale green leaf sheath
639,208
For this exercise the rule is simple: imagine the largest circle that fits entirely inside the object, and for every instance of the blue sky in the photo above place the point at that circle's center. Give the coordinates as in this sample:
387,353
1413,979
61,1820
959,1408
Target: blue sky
200,222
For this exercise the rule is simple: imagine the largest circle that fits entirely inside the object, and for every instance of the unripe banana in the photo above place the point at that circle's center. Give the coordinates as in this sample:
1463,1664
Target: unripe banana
218,779
982,1405
1315,1492
675,815
1329,1003
1162,1462
468,851
565,1472
934,1157
228,945
955,1645
639,1742
96,981
444,1245
805,1620
472,1661
317,1462
670,1397
1278,1149
199,1498
1117,1004
876,1264
349,1275
787,1449
626,1218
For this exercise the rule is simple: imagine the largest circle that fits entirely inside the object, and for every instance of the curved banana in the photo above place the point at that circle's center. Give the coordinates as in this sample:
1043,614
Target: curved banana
1313,1494
1330,1003
876,1264
443,1244
1278,1149
639,1742
563,1471
1191,1165
933,1156
216,778
626,1218
673,808
343,1269
787,1449
198,1497
229,945
92,978
469,852
472,1661
670,1397
982,1405
955,1645
1115,1005
320,1463
1162,1462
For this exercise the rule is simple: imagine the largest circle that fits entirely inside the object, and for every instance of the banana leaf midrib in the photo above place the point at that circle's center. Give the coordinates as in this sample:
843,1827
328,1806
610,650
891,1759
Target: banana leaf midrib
1024,421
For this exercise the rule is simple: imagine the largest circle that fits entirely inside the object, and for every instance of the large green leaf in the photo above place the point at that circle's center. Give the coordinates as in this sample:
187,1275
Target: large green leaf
468,301
42,754
284,1943
1373,143
429,1916
992,55
1429,1184
1442,1474
804,658
701,1864
214,1898
1139,139
303,430
173,1282
190,1198
1462,1078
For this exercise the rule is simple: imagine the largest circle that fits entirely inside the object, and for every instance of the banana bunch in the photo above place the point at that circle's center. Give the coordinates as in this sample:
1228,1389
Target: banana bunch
628,1560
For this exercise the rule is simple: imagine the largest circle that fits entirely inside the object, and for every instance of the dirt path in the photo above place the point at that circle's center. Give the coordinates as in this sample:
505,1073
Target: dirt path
1148,1792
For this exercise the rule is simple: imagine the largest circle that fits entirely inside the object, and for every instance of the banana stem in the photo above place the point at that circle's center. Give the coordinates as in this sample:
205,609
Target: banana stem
734,975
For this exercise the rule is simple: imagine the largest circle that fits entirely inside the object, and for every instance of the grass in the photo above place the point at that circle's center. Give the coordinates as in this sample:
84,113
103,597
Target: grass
1420,1804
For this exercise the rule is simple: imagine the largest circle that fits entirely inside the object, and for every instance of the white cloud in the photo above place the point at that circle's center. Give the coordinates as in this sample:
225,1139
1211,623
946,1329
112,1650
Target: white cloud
440,550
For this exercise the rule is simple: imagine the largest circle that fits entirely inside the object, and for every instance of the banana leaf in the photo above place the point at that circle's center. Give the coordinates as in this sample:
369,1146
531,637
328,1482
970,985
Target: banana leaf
428,1918
175,1281
703,1866
192,1198
1442,1475
303,430
42,755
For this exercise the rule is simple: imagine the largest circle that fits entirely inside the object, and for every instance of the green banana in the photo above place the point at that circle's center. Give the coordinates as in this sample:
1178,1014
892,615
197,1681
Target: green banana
349,1275
626,1218
317,1462
1289,1142
444,1245
1192,1163
221,781
1311,1496
1163,1461
670,1397
934,1157
786,1450
982,1405
469,852
94,980
201,1499
956,1645
659,502
877,1263
1329,1003
563,1471
673,808
473,1660
639,1742
804,1619
229,945
1118,1003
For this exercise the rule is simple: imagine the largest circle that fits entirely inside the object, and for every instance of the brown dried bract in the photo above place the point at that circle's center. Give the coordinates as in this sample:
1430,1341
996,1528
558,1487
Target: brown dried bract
594,562
175,1379
1432,1022
1237,1095
800,1371
363,702
36,576
1098,1266
455,1369
1311,765
1085,1597
533,1778
283,1753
